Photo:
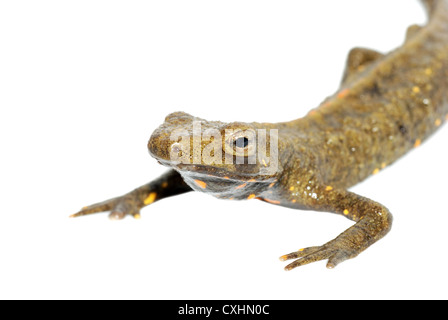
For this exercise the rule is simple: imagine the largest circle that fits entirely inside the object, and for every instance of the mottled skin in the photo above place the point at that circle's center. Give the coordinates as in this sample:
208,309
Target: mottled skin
386,106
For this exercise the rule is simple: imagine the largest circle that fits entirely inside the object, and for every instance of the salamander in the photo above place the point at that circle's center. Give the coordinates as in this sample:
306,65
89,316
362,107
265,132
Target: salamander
386,105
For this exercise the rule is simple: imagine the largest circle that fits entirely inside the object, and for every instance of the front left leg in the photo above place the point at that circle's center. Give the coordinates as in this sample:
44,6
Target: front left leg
373,221
167,185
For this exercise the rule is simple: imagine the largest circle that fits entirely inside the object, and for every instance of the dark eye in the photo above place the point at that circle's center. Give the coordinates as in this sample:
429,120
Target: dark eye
241,142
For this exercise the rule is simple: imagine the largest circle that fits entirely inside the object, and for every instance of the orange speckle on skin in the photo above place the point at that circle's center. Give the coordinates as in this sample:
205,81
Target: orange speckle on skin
294,201
252,180
328,188
417,143
291,188
226,177
376,171
300,250
241,186
343,93
346,212
438,122
201,184
271,201
415,89
271,185
165,184
312,112
428,71
383,165
150,198
251,196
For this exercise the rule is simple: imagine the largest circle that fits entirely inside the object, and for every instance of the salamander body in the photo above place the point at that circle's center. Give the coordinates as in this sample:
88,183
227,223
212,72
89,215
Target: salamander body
387,104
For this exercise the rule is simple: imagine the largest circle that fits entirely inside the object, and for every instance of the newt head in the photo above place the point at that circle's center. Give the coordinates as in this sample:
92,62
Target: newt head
213,155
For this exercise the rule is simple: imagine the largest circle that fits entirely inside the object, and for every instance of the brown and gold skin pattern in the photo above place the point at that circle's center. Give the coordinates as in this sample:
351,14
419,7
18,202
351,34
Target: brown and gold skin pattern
386,106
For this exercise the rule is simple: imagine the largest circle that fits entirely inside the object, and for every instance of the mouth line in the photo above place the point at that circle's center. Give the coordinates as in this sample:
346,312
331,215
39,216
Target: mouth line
208,171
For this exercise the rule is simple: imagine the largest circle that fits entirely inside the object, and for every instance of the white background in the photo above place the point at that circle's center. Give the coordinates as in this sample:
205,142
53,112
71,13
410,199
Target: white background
84,83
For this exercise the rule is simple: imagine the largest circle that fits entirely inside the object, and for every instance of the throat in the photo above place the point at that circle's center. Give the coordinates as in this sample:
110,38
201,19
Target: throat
225,187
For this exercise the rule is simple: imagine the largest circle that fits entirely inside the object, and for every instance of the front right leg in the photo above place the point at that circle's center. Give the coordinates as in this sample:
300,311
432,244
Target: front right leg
373,221
167,185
